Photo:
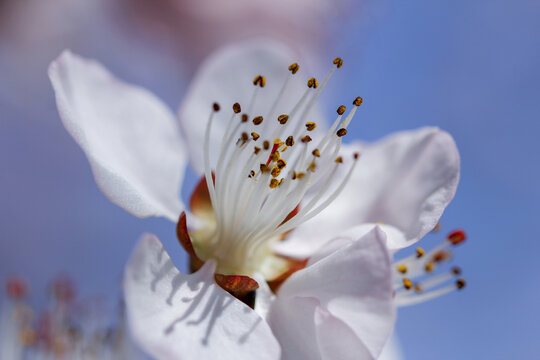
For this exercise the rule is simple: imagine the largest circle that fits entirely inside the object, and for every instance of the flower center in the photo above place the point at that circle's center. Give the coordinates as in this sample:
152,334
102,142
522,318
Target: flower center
268,165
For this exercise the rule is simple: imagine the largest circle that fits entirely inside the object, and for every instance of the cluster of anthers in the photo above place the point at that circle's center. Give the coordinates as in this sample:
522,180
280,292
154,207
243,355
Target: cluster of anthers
414,281
274,172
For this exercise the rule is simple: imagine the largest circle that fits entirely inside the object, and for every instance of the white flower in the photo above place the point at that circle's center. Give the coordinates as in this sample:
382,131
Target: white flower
277,168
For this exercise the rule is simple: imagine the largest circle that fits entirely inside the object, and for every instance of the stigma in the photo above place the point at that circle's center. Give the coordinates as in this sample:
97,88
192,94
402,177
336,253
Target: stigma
422,276
274,171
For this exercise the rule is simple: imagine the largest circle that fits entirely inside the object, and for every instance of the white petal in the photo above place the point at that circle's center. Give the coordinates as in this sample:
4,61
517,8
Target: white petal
405,180
264,297
226,77
392,350
130,138
317,248
351,290
178,316
329,328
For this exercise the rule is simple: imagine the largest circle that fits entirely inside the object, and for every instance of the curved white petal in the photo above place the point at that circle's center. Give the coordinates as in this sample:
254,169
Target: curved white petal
178,316
392,350
349,291
328,329
316,248
405,180
130,138
227,77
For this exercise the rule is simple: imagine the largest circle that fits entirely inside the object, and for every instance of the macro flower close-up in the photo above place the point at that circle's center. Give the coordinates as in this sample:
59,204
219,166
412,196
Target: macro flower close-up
278,187
283,180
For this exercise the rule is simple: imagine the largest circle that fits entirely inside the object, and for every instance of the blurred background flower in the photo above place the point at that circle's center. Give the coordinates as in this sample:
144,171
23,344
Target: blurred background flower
66,327
468,67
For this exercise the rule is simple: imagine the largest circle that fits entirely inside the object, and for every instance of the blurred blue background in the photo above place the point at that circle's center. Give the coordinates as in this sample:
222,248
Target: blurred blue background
469,67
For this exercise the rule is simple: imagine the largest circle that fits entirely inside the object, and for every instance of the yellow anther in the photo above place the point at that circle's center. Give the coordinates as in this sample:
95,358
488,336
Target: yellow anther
274,156
293,68
418,288
339,160
283,119
274,183
266,144
430,266
419,252
341,132
256,150
358,101
341,109
215,106
299,175
259,80
460,283
245,117
312,166
442,256
244,137
310,126
281,163
278,141
264,168
236,108
316,153
251,174
407,284
402,268
257,120
289,141
306,139
338,62
275,171
312,83
255,136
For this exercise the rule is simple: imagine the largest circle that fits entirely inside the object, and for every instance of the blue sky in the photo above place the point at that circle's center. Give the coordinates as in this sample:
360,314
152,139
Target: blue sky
469,67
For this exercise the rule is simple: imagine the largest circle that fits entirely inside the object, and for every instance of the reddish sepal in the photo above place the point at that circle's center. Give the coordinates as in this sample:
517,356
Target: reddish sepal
200,203
294,266
237,285
185,240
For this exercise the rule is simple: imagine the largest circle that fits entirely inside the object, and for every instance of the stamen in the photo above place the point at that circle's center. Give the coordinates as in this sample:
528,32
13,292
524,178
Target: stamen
256,189
289,141
283,119
420,266
310,126
207,170
294,67
259,80
402,268
257,120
